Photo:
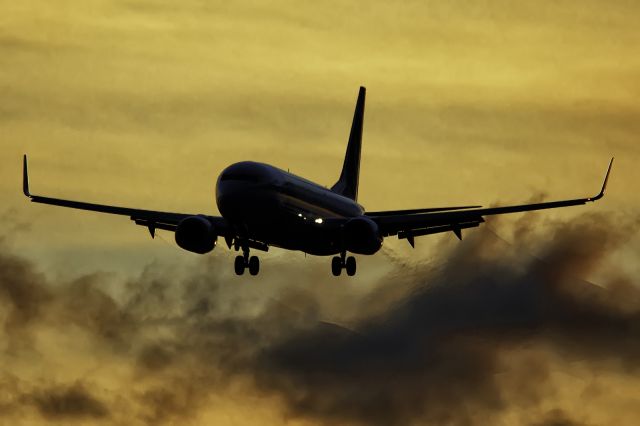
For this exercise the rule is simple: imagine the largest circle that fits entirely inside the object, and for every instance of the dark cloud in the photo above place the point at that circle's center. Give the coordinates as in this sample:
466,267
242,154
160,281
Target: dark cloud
22,294
438,353
67,402
558,418
83,303
180,401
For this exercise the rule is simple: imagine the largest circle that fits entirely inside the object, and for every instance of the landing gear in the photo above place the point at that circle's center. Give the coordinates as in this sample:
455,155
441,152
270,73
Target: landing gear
350,266
244,261
239,265
254,265
336,266
338,263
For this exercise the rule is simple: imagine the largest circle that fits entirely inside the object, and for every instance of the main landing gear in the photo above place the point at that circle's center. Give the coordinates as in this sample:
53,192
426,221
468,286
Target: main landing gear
338,263
245,261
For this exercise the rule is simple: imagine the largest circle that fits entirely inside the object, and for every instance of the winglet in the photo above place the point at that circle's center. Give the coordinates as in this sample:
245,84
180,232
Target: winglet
604,184
25,177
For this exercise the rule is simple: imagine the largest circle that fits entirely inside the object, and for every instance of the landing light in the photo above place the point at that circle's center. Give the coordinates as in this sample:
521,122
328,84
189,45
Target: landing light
318,220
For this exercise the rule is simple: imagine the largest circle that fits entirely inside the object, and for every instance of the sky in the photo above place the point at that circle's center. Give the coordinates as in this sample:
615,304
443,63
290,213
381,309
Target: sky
530,320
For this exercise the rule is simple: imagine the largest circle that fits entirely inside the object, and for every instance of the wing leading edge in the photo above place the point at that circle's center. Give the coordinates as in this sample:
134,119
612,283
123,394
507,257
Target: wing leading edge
148,218
418,223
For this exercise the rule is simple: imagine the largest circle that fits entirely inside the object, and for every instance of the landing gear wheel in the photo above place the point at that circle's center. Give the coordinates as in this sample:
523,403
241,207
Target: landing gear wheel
254,265
239,265
350,266
336,266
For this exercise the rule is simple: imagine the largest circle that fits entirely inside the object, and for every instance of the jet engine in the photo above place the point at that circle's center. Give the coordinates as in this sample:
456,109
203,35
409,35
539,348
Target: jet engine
361,236
196,234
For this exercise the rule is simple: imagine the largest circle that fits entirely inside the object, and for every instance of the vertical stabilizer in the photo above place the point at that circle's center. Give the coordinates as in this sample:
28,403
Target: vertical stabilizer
347,185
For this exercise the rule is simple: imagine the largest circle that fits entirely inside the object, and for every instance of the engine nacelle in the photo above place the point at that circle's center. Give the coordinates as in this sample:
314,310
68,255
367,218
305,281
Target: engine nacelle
196,234
361,236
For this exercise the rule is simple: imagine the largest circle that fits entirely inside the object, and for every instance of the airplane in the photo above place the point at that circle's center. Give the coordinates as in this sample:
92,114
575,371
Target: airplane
263,206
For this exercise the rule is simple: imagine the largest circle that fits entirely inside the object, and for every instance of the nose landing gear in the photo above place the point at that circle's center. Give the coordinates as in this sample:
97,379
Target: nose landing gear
338,263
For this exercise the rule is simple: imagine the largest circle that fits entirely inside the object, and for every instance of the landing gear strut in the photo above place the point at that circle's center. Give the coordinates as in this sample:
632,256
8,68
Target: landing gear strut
244,261
338,263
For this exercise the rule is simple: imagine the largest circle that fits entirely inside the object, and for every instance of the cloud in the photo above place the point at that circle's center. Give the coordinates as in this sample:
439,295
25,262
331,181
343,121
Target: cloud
21,292
437,356
558,418
67,402
477,336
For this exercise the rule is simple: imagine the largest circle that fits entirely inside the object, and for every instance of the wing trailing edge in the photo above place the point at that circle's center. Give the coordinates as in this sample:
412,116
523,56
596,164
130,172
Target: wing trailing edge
410,224
416,211
151,219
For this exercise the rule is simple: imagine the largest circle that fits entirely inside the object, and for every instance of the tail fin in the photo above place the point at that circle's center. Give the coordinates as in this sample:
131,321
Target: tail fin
347,185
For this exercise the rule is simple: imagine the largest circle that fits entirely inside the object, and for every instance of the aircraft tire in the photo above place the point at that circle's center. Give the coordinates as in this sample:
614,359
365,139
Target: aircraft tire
350,266
254,265
239,265
336,266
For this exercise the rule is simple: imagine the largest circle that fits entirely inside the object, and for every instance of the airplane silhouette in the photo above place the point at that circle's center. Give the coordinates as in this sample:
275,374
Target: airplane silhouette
263,206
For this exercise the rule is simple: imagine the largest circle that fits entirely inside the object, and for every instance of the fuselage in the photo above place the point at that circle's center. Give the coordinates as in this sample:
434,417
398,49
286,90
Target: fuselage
282,209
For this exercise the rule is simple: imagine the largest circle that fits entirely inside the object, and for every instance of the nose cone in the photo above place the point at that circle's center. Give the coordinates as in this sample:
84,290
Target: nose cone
247,172
239,180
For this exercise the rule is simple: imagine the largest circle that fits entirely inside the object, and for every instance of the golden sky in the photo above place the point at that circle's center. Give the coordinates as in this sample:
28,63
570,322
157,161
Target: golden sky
142,103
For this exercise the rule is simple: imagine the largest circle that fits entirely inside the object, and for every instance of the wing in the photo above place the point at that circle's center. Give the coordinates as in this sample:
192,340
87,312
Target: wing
409,224
414,211
149,218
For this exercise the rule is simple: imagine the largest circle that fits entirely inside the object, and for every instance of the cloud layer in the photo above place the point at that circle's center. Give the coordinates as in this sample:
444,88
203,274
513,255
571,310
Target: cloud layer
142,103
484,336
